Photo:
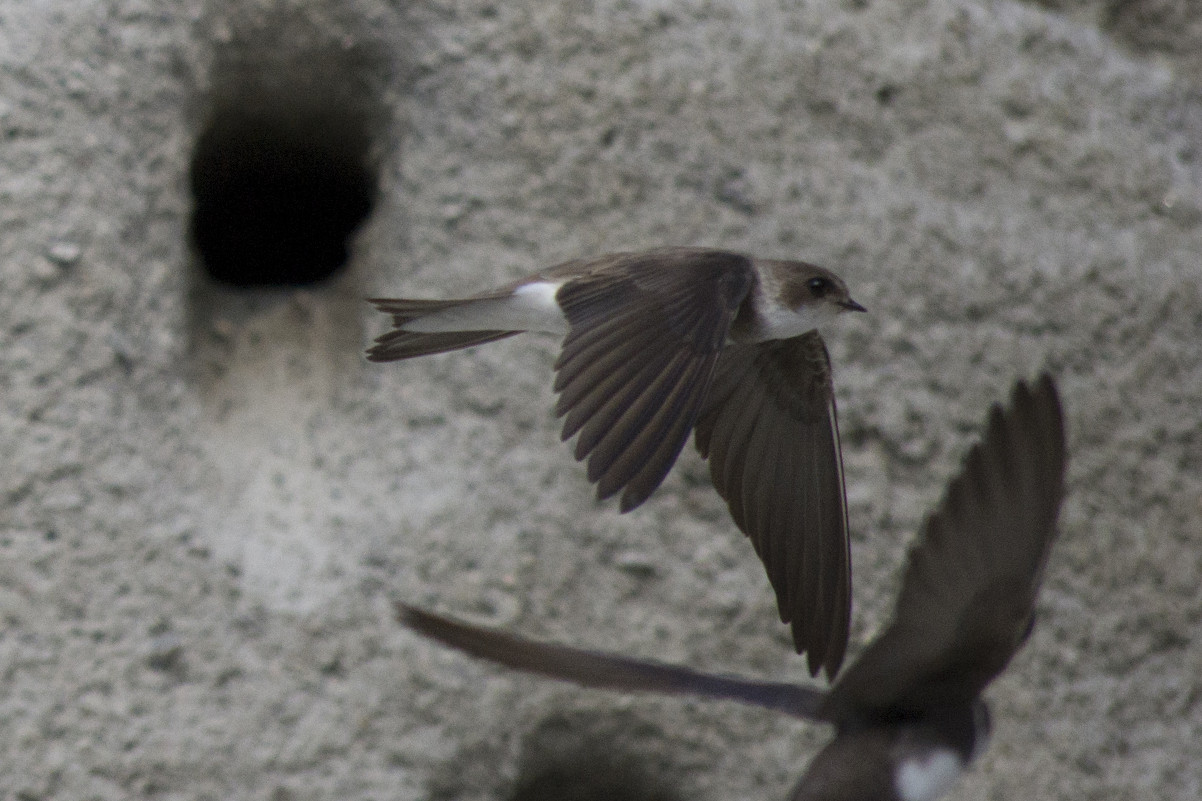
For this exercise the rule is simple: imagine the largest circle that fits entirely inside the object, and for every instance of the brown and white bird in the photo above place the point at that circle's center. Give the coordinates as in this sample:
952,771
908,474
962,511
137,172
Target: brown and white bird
908,713
667,342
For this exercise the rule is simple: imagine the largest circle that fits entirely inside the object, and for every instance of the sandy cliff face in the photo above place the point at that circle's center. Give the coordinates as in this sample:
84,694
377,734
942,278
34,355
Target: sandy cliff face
209,497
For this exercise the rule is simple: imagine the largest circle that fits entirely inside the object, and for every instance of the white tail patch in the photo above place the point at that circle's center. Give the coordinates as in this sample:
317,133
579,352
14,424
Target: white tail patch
531,307
928,777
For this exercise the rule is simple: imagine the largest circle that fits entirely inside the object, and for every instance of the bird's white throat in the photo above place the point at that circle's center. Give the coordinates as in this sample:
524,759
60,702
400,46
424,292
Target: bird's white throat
780,322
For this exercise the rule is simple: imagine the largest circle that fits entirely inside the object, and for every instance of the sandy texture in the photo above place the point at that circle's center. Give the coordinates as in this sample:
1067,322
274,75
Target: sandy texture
208,500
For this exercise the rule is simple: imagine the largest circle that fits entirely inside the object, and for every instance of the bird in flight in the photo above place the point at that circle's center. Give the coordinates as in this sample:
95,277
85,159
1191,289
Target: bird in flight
908,713
666,342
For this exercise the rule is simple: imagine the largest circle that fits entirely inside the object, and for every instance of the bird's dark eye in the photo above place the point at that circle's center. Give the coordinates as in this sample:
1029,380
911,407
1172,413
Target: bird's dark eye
818,287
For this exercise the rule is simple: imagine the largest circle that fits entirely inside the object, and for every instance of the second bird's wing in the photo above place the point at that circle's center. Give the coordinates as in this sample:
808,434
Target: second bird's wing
968,594
606,671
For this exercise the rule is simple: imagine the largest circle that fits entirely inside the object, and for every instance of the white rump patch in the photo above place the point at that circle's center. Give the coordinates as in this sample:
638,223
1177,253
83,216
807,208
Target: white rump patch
538,300
531,307
929,778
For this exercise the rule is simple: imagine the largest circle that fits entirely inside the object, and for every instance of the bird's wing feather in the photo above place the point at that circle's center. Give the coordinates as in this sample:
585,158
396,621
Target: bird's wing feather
969,589
769,429
607,671
644,333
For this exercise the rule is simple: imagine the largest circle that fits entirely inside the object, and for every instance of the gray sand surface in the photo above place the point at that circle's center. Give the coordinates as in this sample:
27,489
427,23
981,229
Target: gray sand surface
210,499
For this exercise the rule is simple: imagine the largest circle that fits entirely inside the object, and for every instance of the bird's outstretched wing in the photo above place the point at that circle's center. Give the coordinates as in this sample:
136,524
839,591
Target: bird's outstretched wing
644,334
770,431
607,671
969,589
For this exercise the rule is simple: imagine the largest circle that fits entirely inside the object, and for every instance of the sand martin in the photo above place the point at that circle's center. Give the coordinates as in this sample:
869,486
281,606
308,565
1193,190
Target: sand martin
665,342
908,713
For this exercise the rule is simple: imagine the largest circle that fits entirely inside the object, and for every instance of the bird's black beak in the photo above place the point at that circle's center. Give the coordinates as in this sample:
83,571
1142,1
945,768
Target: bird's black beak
851,305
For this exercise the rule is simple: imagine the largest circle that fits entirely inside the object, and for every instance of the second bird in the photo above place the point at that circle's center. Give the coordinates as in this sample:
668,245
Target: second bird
667,342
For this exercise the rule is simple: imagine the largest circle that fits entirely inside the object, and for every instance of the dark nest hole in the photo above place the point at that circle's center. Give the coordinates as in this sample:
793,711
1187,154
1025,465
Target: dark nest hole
280,184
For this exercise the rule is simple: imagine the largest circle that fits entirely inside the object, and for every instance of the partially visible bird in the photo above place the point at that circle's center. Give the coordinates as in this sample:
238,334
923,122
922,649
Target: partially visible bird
665,342
908,714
